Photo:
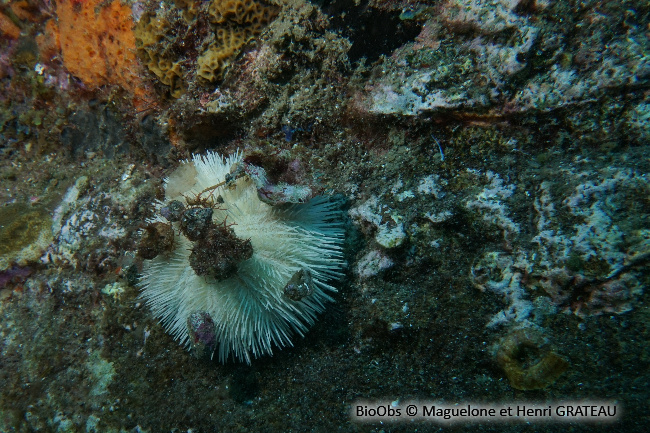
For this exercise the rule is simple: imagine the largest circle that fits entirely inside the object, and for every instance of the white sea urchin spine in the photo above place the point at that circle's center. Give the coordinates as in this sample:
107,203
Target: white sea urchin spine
250,310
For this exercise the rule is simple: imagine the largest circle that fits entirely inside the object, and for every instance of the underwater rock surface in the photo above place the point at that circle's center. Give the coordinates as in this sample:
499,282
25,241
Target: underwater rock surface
490,160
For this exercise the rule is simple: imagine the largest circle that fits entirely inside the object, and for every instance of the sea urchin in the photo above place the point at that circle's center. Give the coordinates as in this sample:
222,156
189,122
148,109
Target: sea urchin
231,273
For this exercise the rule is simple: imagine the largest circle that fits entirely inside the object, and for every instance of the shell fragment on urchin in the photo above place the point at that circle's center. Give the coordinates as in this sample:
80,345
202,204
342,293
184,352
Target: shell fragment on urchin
256,307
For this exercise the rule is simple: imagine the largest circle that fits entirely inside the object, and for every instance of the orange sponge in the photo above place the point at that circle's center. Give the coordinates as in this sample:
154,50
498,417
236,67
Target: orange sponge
97,43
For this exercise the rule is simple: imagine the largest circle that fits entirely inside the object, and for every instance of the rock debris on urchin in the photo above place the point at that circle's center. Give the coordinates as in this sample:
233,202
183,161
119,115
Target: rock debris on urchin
250,310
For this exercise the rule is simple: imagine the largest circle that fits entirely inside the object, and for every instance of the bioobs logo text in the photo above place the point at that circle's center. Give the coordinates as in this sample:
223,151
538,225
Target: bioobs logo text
373,411
445,413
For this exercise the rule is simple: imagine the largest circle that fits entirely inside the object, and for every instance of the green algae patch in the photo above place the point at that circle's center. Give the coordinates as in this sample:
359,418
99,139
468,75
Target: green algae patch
25,231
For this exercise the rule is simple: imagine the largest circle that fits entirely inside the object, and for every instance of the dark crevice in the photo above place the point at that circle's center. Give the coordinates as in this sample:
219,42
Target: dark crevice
373,32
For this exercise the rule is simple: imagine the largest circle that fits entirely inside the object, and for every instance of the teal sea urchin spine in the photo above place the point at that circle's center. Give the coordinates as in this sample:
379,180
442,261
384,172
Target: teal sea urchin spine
255,307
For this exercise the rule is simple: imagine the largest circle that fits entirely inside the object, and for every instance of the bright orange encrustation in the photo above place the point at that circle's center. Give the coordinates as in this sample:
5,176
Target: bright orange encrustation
98,45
